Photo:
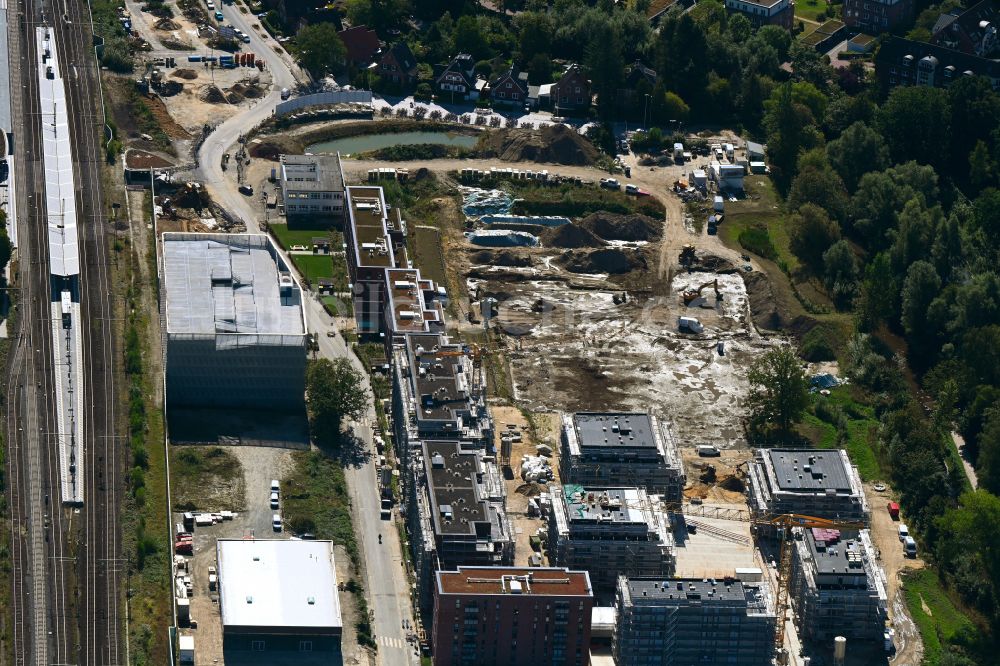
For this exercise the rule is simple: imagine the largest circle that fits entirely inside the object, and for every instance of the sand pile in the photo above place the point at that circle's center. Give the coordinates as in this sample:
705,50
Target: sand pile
212,95
186,74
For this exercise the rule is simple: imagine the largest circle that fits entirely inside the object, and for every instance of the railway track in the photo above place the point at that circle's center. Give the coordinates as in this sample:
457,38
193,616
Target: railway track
67,600
101,567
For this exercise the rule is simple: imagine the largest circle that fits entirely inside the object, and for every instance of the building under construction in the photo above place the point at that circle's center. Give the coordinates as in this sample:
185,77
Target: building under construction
805,481
437,393
621,449
837,587
609,532
689,622
456,514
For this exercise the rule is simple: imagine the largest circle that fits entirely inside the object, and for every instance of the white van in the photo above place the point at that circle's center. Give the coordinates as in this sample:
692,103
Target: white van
904,532
910,547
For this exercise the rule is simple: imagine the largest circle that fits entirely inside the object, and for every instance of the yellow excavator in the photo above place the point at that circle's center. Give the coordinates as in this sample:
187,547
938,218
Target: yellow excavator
692,294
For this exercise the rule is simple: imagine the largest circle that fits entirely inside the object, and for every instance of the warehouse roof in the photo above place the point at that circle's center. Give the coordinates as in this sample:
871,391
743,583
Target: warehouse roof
229,283
277,584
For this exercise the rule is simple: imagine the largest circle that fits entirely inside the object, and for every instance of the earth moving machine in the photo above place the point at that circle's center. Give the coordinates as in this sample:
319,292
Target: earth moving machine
693,294
687,257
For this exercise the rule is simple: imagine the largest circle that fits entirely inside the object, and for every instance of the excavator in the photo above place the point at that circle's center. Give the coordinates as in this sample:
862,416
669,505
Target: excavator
690,295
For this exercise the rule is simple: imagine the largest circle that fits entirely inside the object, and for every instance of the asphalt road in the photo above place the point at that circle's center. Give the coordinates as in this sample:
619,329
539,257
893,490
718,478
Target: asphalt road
385,578
284,75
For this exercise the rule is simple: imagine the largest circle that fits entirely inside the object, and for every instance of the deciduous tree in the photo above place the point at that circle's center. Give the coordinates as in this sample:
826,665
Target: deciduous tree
779,394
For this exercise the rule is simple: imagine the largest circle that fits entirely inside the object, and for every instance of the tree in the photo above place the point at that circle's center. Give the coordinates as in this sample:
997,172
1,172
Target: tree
675,107
857,151
379,15
740,28
916,124
921,286
841,273
320,48
812,233
540,69
469,38
606,68
335,391
821,186
790,121
982,167
779,393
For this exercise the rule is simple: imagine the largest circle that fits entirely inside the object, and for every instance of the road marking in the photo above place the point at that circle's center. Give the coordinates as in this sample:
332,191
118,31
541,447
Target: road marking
389,641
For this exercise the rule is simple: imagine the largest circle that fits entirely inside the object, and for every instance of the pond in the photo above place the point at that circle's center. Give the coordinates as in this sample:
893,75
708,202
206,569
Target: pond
367,142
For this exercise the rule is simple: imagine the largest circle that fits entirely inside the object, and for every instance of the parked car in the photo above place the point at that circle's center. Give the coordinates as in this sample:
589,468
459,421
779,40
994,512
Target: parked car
904,532
275,486
276,522
893,508
910,547
219,16
246,190
709,451
274,500
610,184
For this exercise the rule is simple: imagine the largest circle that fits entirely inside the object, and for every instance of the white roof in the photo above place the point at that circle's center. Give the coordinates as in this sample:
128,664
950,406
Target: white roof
60,191
545,89
269,583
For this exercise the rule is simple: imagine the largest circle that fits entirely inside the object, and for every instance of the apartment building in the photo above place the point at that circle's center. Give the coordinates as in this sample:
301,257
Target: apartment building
601,449
609,532
507,615
805,481
764,12
691,622
312,185
878,16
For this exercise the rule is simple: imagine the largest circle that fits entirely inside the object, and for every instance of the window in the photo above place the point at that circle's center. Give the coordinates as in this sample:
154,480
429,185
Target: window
257,646
305,646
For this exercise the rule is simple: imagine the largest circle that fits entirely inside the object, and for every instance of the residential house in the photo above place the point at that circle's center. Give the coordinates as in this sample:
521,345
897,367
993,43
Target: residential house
397,65
510,87
904,62
457,79
878,16
764,12
571,93
972,31
361,43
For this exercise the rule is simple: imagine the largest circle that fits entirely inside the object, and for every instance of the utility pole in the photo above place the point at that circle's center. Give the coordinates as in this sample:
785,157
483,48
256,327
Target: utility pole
645,125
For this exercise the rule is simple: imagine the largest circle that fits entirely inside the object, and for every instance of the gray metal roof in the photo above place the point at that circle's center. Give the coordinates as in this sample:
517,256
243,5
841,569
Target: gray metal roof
274,583
810,470
227,283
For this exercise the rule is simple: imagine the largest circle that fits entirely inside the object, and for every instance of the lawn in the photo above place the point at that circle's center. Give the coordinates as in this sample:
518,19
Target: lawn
313,266
940,622
840,421
811,9
289,237
760,209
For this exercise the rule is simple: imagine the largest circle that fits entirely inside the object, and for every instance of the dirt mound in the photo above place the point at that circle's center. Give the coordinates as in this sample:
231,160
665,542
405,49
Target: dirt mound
733,483
234,97
556,144
570,236
501,258
614,261
266,151
187,74
212,95
763,306
610,226
166,24
253,92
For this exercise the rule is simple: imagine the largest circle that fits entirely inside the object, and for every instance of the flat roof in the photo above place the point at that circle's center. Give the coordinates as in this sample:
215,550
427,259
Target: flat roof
370,227
497,581
809,470
625,430
229,283
278,584
451,482
836,551
440,382
616,505
688,589
406,300
318,173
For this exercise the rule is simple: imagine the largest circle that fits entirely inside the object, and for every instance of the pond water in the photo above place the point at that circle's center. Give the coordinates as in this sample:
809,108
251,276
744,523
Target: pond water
362,144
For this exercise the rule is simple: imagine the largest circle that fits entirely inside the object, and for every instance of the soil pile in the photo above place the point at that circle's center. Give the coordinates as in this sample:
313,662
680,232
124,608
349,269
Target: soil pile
556,144
234,97
166,24
266,151
611,226
614,261
570,236
763,306
187,74
212,95
501,258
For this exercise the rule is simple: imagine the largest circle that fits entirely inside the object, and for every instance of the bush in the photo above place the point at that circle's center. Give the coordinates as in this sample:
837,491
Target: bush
816,347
